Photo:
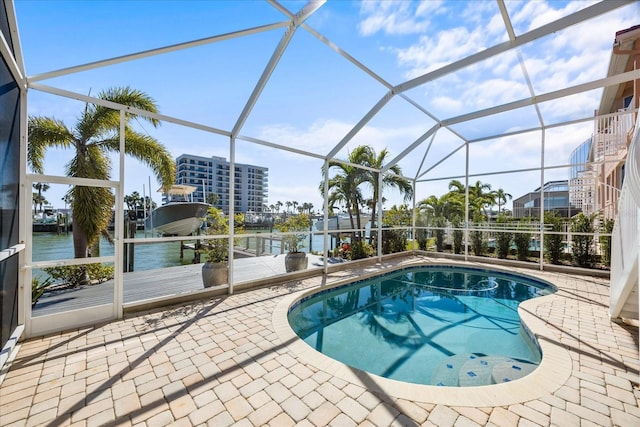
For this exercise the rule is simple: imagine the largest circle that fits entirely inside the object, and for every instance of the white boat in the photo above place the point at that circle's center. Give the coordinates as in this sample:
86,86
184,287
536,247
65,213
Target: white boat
179,216
342,222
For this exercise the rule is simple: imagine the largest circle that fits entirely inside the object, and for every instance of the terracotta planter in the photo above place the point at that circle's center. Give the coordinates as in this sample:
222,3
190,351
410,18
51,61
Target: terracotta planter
295,261
215,273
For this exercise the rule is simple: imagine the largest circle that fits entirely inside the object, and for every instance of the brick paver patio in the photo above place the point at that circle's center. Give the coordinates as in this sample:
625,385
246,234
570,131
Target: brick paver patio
221,362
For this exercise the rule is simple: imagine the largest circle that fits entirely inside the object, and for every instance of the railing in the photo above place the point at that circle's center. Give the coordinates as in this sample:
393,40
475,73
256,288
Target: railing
611,133
626,237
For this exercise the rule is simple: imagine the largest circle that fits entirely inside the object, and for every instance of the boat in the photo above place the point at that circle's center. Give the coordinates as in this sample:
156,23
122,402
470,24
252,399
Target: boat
342,222
50,219
180,216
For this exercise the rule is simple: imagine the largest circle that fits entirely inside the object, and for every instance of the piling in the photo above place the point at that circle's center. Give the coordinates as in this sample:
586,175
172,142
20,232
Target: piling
131,225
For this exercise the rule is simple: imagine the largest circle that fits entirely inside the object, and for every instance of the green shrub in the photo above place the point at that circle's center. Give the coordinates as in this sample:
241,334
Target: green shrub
361,249
421,233
503,238
458,235
294,223
393,241
439,232
478,244
605,241
582,251
73,275
553,242
216,250
522,239
38,287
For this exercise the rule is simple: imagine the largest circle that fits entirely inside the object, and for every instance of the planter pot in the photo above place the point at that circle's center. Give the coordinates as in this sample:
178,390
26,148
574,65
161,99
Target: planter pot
215,273
295,261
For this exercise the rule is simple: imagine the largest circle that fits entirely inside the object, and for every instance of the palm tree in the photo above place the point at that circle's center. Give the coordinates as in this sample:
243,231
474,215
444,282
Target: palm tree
391,179
343,191
132,200
213,199
344,185
94,136
481,198
501,198
41,187
38,199
436,211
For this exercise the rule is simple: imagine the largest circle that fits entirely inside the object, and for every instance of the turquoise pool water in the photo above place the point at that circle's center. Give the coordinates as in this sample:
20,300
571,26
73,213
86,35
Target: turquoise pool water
434,325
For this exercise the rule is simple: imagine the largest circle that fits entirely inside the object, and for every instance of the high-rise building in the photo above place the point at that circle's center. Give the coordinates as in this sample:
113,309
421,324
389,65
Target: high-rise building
583,179
556,198
212,178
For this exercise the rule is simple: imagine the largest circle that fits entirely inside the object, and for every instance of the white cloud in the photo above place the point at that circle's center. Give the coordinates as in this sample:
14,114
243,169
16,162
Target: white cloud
535,14
319,138
447,105
395,18
431,53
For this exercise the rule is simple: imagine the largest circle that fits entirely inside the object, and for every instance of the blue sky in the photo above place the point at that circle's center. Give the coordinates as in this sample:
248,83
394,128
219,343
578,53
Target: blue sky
314,97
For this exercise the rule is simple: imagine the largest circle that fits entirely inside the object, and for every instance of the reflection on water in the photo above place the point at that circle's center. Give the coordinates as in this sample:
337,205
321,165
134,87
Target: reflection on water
425,325
51,246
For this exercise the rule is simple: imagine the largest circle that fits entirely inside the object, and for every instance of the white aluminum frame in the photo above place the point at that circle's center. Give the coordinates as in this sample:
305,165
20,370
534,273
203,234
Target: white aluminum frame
291,24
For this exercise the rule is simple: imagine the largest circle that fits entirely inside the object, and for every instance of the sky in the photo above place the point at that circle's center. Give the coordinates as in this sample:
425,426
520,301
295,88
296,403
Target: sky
314,97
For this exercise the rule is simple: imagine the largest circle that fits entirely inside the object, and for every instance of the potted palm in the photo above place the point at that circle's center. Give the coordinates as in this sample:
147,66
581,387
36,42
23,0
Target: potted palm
215,270
295,259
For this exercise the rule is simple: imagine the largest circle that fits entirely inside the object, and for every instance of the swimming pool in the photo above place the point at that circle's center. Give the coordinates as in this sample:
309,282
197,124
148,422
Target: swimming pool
432,325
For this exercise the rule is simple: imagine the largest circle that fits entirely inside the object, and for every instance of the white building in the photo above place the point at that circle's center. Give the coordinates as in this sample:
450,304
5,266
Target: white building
598,171
210,175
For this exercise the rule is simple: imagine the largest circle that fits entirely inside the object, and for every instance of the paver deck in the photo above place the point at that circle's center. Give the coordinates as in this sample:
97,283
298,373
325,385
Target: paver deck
223,361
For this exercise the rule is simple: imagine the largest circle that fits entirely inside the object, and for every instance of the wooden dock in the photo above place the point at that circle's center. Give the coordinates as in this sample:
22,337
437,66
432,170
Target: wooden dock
163,282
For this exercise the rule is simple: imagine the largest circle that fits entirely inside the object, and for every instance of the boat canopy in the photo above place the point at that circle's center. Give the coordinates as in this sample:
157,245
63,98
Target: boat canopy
179,190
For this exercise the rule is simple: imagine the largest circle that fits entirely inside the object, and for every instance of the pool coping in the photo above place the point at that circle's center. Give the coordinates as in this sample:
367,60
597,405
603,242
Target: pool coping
553,371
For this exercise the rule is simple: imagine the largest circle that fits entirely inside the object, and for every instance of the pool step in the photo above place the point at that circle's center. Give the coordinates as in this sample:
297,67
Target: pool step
509,371
468,370
448,372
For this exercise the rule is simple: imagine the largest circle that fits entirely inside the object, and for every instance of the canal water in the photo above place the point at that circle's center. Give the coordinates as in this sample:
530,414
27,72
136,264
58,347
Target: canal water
52,246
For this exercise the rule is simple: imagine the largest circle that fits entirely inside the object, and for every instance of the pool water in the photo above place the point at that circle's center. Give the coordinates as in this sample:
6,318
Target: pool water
445,326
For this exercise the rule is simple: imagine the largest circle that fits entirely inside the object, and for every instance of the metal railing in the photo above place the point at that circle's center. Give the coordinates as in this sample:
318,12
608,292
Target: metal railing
626,239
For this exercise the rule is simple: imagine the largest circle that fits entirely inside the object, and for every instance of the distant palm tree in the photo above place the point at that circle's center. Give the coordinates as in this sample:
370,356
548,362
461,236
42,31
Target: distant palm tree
391,179
344,186
501,198
132,200
479,198
38,200
95,135
482,199
41,187
436,211
213,199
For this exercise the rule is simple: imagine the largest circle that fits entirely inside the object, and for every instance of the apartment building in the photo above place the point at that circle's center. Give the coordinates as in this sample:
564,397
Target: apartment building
212,178
554,195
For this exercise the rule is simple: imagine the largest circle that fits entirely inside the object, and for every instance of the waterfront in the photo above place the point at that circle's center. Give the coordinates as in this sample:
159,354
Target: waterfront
52,246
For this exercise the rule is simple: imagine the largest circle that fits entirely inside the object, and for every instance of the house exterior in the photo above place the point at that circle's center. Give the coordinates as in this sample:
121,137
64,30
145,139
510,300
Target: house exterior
597,176
556,198
212,175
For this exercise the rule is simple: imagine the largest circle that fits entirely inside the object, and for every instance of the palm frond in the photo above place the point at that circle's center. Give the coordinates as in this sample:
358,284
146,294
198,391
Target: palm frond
149,151
43,133
132,98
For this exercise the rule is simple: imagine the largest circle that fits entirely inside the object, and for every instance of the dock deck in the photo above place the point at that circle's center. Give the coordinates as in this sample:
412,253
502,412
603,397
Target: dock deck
169,281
